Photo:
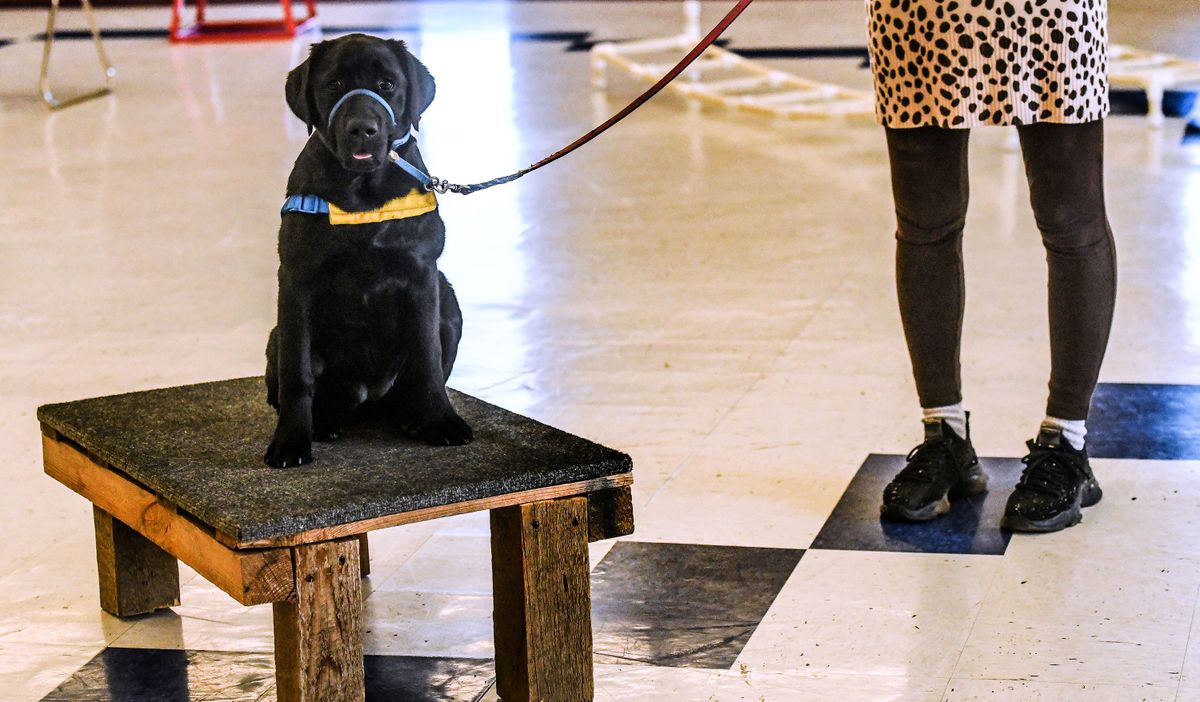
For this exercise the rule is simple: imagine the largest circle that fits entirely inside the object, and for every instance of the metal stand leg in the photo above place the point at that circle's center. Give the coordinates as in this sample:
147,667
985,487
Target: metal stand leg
1154,103
44,81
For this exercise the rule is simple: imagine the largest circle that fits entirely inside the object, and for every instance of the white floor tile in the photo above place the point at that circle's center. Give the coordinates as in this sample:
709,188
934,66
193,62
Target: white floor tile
1036,691
446,563
720,304
29,671
65,613
886,614
206,619
403,622
1096,604
737,686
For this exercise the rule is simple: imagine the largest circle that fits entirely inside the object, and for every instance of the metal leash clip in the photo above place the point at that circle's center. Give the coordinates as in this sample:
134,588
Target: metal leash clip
442,186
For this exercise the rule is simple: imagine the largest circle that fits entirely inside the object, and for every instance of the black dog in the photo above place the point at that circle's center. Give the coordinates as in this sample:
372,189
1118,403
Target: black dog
364,314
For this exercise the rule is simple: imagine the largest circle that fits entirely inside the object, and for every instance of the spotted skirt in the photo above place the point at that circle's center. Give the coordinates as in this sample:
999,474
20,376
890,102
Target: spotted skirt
968,63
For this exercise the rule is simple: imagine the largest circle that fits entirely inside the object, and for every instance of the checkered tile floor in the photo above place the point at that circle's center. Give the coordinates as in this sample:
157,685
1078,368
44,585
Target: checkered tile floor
710,292
720,608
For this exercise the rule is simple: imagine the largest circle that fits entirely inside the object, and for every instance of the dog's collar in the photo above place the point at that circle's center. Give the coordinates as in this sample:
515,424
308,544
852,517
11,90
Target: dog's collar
414,204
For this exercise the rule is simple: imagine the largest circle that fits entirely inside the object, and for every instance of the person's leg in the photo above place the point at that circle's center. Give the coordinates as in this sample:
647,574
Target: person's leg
930,188
1065,167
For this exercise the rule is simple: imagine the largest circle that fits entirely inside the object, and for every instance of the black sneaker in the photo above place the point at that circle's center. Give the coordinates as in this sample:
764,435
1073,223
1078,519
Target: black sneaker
945,464
1056,484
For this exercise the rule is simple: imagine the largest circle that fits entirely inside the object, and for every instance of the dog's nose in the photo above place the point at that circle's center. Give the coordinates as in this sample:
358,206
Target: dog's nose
361,127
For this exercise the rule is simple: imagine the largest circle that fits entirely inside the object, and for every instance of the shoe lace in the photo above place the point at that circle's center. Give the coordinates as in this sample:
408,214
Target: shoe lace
924,460
1048,471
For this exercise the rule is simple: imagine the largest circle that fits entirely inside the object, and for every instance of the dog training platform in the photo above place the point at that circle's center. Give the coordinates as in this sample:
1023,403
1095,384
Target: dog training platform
178,474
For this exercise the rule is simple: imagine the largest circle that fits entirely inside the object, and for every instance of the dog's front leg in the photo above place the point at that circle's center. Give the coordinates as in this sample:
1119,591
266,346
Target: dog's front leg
430,415
292,443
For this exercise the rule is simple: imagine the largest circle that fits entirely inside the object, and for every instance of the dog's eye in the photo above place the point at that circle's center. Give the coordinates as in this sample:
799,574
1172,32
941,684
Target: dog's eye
334,85
386,85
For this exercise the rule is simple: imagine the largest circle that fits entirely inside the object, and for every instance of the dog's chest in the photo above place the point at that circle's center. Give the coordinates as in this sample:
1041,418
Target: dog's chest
375,278
392,238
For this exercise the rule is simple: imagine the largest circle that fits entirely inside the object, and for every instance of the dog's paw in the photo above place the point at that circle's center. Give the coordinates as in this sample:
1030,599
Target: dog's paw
326,432
288,453
446,430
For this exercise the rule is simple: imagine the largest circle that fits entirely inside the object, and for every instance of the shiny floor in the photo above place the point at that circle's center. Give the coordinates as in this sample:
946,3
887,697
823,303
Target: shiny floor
707,291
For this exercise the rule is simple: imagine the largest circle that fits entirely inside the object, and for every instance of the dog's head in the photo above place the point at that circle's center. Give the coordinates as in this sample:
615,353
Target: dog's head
361,129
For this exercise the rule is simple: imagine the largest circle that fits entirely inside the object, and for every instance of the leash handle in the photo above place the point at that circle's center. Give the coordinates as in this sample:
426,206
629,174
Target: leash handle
442,186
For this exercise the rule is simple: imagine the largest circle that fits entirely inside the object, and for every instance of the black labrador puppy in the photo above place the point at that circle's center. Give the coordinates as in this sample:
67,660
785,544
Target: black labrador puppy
364,314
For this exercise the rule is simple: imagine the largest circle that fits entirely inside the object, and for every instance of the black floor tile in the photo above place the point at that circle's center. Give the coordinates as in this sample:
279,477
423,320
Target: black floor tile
1138,420
156,675
1191,133
683,605
86,34
393,678
971,526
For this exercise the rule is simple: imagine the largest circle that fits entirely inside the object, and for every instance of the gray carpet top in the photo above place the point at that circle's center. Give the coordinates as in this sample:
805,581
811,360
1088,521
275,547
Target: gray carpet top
201,447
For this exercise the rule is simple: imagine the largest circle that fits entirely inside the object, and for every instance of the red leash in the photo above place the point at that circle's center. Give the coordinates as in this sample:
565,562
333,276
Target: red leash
442,186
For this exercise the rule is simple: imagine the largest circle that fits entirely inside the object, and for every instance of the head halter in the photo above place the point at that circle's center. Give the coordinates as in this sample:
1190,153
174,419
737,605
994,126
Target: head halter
361,91
421,176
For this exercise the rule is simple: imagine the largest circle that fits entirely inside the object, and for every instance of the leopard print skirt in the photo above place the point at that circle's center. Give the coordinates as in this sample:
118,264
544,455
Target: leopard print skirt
969,63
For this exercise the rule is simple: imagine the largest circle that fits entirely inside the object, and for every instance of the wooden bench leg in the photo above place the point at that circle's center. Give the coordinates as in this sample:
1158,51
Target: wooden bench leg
542,593
364,556
610,513
136,576
319,634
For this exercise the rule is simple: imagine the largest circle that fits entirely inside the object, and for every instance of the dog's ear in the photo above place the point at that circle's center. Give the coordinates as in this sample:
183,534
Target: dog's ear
420,83
298,90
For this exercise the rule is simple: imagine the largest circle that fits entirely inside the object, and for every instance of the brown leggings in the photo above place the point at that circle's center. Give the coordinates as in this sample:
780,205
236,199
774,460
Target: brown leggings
1064,164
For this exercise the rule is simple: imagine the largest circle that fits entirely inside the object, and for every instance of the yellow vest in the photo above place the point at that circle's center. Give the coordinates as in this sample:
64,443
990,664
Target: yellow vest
411,205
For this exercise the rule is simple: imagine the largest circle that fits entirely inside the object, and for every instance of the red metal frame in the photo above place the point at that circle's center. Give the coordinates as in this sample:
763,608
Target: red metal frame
203,30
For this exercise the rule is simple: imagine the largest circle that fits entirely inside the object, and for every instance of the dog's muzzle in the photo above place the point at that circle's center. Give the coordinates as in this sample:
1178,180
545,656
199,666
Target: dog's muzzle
360,91
420,176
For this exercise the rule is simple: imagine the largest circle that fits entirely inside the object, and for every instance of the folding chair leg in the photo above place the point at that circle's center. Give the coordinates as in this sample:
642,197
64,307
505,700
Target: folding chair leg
44,81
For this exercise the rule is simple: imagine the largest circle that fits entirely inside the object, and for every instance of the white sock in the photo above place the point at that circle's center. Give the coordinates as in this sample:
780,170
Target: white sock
954,416
1073,430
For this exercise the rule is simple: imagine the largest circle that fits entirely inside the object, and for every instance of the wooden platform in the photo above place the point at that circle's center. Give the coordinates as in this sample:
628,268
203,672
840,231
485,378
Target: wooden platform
178,474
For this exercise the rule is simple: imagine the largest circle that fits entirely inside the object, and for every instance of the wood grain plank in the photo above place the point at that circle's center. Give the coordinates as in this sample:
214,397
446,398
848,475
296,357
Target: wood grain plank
319,634
136,576
542,594
250,577
364,555
610,513
552,492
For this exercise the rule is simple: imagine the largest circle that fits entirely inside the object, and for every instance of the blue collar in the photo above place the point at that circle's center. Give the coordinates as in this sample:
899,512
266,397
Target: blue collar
416,203
305,204
312,204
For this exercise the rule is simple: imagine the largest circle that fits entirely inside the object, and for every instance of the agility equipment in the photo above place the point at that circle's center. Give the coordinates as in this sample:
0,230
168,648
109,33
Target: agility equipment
204,30
1152,72
106,66
724,79
177,475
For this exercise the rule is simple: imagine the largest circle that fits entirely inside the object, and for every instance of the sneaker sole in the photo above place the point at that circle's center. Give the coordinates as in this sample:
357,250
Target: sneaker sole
933,510
973,483
1089,495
